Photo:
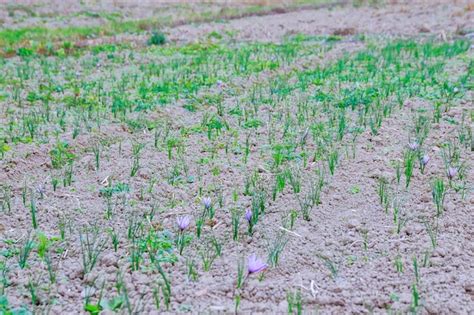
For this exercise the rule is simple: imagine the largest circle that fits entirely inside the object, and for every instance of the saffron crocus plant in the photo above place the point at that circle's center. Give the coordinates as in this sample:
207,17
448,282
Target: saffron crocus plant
183,239
423,162
452,172
208,208
249,218
255,264
413,146
248,215
183,222
207,202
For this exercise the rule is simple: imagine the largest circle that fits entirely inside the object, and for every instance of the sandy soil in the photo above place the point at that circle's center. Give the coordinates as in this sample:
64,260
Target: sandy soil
445,19
401,20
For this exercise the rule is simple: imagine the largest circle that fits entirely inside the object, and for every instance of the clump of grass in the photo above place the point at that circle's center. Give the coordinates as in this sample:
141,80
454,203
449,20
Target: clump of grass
398,264
61,155
92,246
276,247
295,302
33,210
157,38
236,215
5,199
332,266
25,251
432,229
383,193
409,163
136,152
439,192
415,302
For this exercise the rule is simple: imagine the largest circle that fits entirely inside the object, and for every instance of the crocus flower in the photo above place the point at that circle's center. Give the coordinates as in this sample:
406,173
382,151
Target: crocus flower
41,190
183,222
207,202
425,159
248,215
413,146
255,264
452,171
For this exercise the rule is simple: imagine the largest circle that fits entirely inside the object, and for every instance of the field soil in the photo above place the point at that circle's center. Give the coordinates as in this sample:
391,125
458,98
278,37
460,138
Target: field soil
341,261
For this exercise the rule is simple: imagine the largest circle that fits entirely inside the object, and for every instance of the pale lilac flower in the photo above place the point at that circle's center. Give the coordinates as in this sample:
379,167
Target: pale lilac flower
255,264
183,222
425,159
413,146
41,190
207,202
452,171
248,215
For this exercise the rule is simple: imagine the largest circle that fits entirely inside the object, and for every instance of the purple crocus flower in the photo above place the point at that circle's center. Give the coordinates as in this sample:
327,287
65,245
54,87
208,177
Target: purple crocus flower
207,202
425,159
452,171
41,190
248,215
413,146
255,264
183,222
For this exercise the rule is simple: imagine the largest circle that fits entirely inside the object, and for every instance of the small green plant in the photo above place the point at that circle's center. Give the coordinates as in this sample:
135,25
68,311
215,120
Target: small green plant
183,239
332,161
398,171
415,269
115,239
157,38
330,264
280,182
398,216
438,190
415,298
207,257
5,199
236,215
33,210
398,264
432,229
136,150
55,183
237,299
294,178
61,155
32,287
192,270
409,163
295,302
276,248
240,274
216,244
25,251
165,288
96,149
293,217
4,148
92,246
199,223
383,193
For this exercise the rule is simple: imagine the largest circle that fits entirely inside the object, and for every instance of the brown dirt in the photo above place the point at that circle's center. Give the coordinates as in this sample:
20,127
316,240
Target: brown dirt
366,277
404,19
444,19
